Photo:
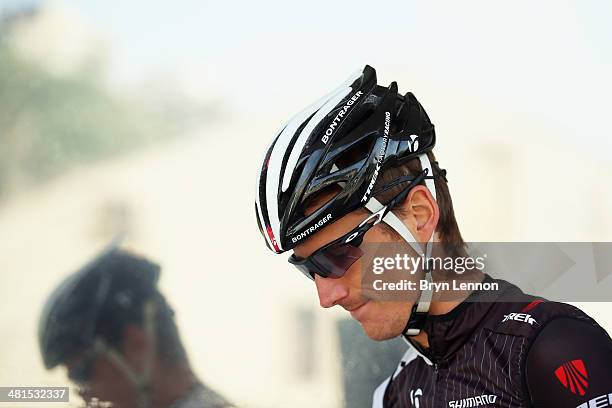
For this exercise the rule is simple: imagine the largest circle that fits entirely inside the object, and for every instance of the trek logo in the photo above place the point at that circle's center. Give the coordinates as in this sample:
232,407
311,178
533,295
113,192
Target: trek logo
339,116
600,402
573,375
311,229
381,156
473,401
414,397
413,144
520,317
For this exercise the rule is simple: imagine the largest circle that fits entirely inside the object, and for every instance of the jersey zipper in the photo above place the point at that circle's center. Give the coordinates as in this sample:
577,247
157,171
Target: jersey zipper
429,359
435,383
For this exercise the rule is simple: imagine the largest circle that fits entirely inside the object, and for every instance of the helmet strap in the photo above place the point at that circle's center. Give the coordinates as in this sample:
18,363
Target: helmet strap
420,310
141,381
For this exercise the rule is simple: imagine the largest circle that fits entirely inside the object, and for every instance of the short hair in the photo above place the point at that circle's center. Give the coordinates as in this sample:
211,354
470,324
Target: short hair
447,227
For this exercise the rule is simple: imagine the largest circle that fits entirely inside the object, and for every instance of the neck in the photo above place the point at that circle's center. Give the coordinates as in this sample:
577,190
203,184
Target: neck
172,383
441,307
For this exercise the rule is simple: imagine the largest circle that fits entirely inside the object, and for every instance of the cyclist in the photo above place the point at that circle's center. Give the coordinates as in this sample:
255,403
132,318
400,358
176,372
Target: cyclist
115,333
357,167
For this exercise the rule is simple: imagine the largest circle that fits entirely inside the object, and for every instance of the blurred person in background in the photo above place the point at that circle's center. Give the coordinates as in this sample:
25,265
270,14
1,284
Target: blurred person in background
113,330
357,167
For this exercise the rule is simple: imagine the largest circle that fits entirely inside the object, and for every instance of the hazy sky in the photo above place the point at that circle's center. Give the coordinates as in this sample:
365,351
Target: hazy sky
547,58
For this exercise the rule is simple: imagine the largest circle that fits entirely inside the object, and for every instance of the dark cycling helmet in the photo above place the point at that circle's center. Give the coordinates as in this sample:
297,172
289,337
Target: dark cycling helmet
98,300
345,139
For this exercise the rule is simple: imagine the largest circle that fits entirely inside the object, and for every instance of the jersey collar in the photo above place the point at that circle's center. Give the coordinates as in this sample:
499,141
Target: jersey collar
448,332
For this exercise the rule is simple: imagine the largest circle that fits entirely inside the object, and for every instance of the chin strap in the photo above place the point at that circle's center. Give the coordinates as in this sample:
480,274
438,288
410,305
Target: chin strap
420,310
141,381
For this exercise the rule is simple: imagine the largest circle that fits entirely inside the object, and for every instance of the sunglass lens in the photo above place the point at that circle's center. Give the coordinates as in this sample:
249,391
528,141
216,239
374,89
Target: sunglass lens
337,259
305,271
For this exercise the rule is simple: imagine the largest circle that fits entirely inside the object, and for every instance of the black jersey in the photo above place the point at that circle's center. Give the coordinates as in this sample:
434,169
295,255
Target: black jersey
505,349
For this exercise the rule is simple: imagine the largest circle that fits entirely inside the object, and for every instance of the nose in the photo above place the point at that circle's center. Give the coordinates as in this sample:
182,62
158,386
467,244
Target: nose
330,291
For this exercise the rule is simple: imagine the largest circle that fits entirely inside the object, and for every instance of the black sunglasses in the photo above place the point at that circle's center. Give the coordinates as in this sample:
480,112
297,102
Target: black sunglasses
334,259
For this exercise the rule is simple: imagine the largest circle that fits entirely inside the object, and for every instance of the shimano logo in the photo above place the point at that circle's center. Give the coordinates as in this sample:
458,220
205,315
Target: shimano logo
473,401
339,116
413,144
520,317
600,402
381,156
311,229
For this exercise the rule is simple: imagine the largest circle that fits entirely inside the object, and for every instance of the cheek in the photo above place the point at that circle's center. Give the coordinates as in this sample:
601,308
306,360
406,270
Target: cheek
386,320
379,234
390,310
109,383
352,278
389,316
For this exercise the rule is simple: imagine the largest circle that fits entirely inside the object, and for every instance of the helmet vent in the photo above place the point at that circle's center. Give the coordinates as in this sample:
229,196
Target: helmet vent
352,152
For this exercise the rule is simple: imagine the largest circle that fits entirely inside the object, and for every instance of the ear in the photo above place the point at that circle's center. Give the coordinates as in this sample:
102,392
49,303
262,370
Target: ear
135,345
421,213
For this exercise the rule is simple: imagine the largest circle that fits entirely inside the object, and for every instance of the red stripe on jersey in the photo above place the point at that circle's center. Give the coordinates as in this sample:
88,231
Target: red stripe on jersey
532,305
